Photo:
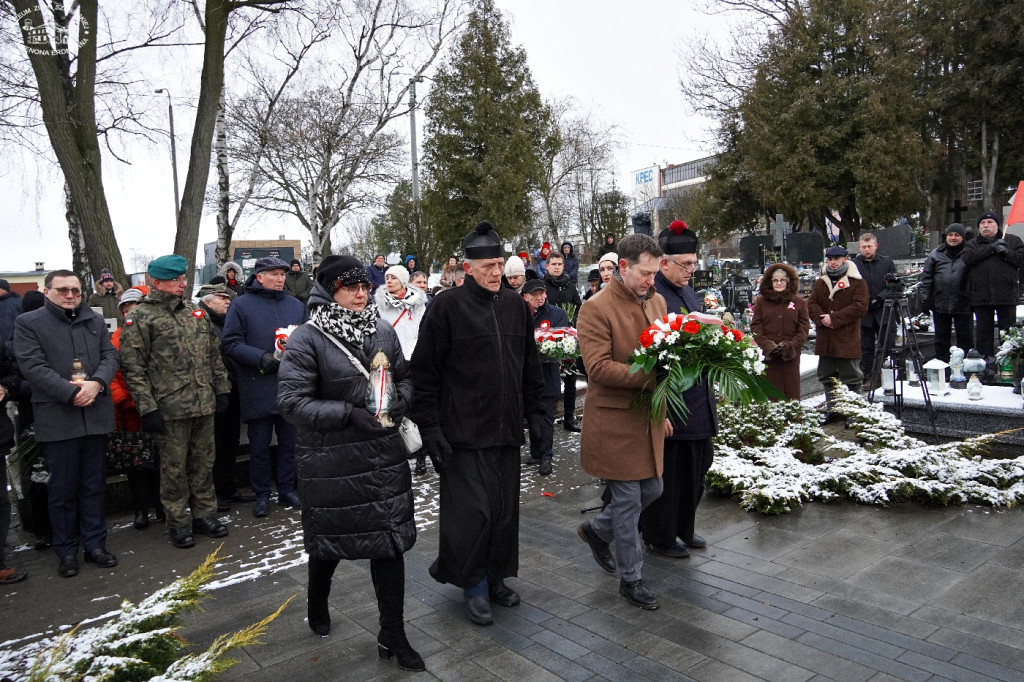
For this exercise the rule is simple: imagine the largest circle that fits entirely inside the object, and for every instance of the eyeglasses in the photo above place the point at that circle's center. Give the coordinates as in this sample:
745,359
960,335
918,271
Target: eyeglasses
64,291
776,280
685,266
355,288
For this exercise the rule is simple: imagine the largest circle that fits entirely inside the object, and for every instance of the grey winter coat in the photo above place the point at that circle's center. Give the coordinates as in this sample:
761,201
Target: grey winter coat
942,282
356,492
46,342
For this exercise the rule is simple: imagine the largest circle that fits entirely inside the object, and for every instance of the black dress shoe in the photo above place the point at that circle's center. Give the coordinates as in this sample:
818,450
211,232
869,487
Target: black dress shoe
68,566
637,594
676,551
141,520
101,557
479,610
571,425
545,467
502,594
181,537
209,526
697,542
261,507
598,547
289,500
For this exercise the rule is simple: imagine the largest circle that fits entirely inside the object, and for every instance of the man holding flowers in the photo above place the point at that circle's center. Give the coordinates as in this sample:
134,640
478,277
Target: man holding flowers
620,444
688,450
545,317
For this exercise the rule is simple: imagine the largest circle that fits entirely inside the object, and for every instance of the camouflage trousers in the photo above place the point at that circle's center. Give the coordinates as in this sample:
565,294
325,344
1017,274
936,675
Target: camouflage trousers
186,470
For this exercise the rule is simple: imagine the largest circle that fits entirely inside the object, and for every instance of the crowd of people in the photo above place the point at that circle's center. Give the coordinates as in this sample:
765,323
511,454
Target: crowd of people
460,362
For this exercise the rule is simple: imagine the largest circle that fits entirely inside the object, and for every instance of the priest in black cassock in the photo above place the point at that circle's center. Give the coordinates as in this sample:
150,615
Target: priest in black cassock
476,373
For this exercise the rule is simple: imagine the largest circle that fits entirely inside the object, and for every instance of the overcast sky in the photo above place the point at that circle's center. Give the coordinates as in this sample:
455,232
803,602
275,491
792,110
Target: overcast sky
618,60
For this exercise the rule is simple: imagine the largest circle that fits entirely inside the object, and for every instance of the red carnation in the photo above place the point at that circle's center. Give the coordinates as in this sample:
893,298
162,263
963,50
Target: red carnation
676,324
736,334
645,338
691,327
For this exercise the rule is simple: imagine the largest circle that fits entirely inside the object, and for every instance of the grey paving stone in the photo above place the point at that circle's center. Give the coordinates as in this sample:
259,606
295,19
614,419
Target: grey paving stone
909,580
605,668
794,605
764,623
947,670
1011,557
870,659
560,645
511,666
710,622
613,651
451,666
898,523
982,594
556,663
895,638
976,523
722,555
980,665
948,551
760,607
832,630
877,615
641,639
651,670
818,520
711,670
993,642
737,655
777,583
810,658
765,542
839,554
705,576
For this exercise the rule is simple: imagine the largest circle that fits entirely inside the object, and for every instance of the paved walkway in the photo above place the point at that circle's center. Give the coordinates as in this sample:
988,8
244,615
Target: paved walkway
839,592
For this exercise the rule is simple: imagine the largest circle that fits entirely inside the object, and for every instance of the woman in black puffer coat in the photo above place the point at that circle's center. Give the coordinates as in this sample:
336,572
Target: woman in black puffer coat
353,474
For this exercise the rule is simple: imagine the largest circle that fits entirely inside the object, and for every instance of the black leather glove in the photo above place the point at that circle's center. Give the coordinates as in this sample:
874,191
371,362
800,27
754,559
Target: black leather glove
153,422
436,447
223,400
399,408
999,247
366,423
268,364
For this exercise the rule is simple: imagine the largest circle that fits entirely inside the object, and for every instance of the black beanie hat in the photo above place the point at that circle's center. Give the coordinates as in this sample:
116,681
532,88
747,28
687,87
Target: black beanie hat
993,215
482,242
677,238
296,261
343,270
532,285
958,228
33,300
594,275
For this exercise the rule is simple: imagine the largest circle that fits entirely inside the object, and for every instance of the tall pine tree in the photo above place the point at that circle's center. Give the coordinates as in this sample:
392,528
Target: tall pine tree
485,125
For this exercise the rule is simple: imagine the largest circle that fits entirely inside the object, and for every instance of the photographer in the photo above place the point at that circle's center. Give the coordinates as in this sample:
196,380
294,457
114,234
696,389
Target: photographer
992,280
874,268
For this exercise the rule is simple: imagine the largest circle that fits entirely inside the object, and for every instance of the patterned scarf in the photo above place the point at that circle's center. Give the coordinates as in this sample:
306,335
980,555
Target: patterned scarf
347,325
395,302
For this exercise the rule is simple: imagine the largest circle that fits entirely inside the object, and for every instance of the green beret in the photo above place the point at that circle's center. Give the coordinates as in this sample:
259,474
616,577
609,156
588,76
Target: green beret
167,267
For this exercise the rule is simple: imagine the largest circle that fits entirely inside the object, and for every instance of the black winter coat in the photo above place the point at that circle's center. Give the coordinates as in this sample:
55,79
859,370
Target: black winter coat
992,279
942,282
552,369
475,369
563,293
356,492
873,273
572,263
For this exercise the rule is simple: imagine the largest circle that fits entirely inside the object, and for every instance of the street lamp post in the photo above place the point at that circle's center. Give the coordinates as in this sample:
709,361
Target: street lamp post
412,138
174,152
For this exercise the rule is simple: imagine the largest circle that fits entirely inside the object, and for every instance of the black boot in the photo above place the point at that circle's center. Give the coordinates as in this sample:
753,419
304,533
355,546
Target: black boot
421,463
388,577
320,572
392,642
141,519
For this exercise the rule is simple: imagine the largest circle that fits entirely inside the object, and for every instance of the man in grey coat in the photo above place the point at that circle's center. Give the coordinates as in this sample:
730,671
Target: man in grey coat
64,352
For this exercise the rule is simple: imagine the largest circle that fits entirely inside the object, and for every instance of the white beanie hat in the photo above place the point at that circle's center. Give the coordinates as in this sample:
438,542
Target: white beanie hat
610,256
514,267
399,272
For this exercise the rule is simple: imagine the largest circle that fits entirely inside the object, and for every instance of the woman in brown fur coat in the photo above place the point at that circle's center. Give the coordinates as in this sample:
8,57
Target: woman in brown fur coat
780,327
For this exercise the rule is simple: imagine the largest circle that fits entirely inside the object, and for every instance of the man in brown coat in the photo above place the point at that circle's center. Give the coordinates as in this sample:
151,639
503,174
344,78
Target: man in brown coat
838,301
620,444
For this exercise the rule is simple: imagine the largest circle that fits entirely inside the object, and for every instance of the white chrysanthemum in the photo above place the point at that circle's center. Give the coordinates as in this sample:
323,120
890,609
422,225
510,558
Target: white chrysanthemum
548,346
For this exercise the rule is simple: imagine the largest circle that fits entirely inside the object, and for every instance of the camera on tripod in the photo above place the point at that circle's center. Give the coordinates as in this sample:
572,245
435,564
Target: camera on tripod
895,285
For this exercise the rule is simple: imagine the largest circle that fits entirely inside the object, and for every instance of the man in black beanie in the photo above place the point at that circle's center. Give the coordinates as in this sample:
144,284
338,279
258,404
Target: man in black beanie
992,281
476,373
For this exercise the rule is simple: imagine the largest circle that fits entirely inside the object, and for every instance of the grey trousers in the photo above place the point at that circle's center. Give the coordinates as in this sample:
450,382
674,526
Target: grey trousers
620,519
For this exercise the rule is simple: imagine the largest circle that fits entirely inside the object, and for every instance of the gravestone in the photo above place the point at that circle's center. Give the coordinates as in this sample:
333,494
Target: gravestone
780,228
737,293
702,280
895,242
805,247
753,249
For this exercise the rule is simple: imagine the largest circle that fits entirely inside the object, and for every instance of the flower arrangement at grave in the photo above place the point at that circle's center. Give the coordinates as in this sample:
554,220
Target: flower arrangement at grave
680,350
1012,346
774,457
558,343
139,643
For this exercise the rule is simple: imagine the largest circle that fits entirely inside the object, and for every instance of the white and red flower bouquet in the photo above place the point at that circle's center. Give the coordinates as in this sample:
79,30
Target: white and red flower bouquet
558,343
682,349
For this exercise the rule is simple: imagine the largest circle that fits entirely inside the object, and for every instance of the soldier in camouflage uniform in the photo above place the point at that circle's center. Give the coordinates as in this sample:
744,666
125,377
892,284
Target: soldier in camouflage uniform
170,357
